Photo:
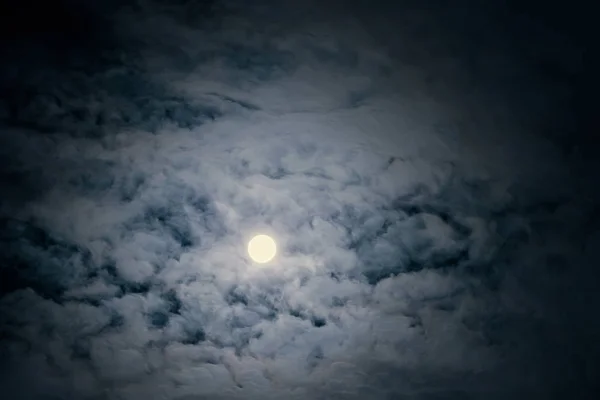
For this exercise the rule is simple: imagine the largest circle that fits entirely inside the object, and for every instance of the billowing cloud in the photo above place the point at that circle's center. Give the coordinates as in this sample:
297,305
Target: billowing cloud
432,243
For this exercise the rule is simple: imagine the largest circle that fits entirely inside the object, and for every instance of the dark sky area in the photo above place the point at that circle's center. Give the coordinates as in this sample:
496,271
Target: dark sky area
427,168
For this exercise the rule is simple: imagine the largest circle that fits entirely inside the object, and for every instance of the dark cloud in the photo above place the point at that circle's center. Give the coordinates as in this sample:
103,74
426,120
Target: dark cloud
436,240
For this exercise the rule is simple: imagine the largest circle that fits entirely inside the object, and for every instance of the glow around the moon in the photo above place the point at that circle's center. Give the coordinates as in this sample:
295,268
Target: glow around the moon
262,249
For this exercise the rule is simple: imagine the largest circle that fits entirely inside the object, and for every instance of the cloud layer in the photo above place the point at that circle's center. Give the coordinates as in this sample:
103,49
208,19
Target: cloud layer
436,242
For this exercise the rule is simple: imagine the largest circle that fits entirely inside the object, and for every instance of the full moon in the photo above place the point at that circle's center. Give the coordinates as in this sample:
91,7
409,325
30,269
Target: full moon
262,248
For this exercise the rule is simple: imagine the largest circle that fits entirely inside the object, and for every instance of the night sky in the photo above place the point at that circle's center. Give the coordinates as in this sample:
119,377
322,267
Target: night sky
427,168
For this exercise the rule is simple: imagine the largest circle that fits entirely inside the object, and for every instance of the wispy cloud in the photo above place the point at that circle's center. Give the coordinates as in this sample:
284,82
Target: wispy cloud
422,246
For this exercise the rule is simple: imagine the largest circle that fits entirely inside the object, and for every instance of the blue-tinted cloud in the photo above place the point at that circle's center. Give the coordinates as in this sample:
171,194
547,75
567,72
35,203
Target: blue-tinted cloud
427,249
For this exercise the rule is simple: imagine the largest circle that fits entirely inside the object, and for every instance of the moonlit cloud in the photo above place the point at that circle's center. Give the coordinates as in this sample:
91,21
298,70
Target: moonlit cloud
428,246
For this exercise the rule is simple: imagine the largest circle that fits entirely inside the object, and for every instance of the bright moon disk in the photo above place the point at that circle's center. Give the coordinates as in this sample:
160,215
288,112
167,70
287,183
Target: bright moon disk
262,248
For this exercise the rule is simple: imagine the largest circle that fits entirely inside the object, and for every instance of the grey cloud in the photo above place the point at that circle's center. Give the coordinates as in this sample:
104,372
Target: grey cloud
420,257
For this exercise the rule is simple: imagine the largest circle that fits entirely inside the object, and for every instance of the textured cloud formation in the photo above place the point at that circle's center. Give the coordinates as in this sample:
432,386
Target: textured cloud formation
433,245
